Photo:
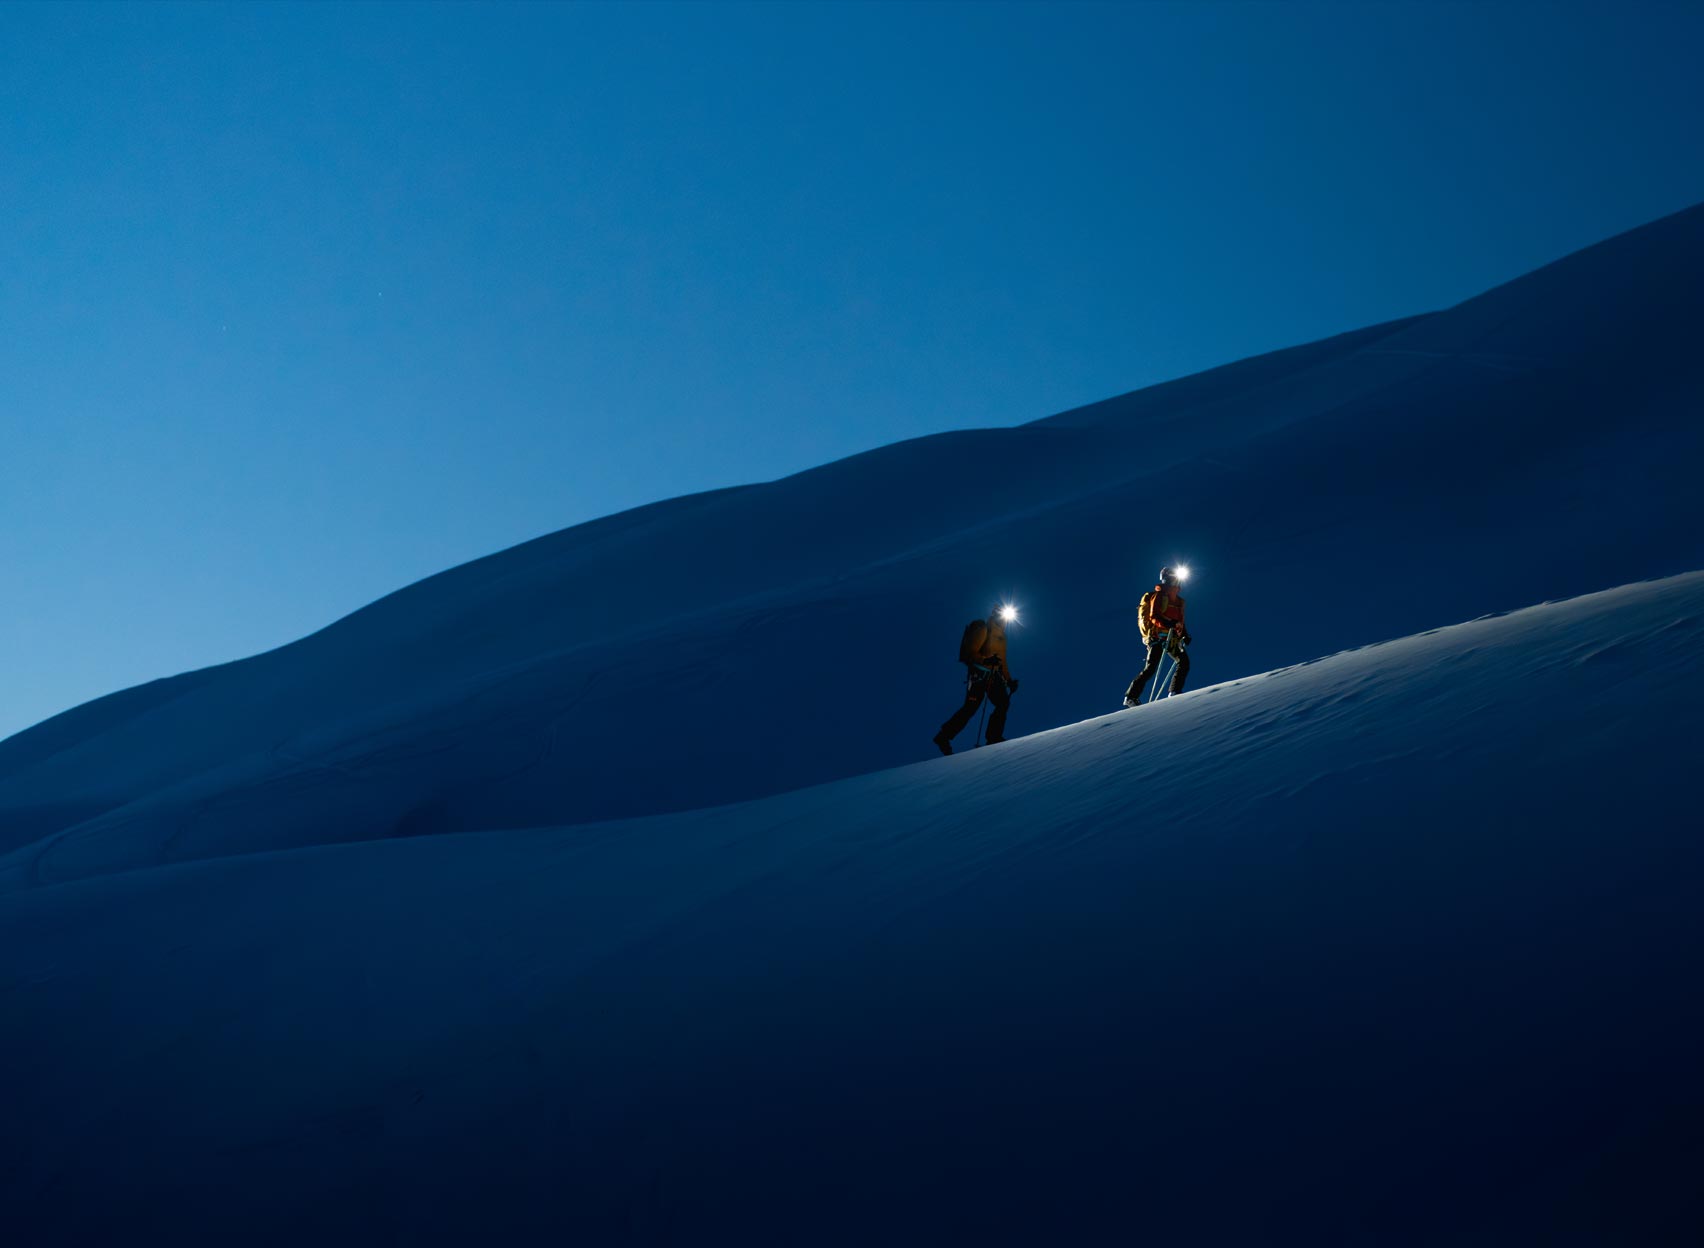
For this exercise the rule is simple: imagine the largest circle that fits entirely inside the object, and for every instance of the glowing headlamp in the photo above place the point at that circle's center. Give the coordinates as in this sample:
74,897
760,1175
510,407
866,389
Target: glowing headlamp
1181,572
1009,613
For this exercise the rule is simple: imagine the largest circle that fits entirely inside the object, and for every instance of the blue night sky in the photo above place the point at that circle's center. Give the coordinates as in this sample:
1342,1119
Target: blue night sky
300,304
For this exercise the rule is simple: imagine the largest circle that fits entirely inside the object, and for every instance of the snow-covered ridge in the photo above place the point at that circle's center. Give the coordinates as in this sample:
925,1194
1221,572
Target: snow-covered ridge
1540,441
1401,942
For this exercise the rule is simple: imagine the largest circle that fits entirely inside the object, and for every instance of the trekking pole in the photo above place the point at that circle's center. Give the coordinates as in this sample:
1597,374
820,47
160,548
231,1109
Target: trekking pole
1175,660
980,722
1155,694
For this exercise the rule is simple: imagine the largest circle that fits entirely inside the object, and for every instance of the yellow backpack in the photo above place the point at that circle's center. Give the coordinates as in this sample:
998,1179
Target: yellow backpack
1145,614
970,644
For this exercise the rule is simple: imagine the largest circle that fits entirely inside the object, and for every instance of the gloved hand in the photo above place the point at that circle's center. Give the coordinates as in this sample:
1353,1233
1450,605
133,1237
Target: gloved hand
1012,685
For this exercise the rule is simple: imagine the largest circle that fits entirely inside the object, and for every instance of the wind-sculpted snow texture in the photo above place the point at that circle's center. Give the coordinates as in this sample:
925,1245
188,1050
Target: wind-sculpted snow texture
1398,947
1540,441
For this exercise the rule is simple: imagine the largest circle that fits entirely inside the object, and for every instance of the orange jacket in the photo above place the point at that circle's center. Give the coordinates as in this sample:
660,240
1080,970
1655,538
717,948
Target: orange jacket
1165,610
992,652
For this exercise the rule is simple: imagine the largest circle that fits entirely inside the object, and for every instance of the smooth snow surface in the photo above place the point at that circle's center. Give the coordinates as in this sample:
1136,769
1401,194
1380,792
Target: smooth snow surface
1396,947
1537,442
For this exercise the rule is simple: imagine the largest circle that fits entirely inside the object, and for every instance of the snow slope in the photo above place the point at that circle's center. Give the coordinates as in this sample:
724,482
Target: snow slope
1539,441
1396,947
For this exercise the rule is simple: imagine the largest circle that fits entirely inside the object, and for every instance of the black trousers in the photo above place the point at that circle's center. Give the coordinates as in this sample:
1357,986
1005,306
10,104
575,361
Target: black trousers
1156,655
979,682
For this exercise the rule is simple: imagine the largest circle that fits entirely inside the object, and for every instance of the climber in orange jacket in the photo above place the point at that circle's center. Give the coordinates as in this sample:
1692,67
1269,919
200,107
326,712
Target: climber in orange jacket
1164,631
982,650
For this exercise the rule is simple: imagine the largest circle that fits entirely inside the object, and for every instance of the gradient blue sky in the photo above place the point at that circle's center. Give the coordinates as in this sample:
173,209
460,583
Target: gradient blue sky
300,304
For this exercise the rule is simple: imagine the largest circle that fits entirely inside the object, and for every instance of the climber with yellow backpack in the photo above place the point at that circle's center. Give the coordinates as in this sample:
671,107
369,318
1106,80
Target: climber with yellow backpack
982,650
1160,619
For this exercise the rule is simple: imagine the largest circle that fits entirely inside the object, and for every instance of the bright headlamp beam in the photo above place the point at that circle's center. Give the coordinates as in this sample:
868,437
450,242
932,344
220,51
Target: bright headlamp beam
1182,572
1008,613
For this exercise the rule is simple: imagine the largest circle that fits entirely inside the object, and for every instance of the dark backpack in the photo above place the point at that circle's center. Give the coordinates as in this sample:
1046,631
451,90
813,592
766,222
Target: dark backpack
970,644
